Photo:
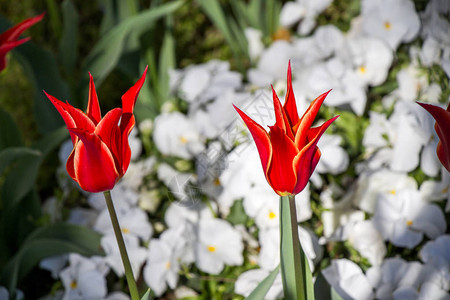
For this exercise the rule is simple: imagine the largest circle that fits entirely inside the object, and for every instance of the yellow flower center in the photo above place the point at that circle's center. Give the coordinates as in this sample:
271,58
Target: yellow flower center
211,248
362,69
217,181
183,140
73,285
168,264
445,190
393,191
387,25
125,230
409,222
272,215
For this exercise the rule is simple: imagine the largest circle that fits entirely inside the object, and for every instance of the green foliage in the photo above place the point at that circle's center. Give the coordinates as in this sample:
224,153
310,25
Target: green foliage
263,287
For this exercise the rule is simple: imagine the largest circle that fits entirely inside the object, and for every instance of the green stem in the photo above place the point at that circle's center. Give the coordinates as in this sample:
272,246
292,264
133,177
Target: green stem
123,251
295,271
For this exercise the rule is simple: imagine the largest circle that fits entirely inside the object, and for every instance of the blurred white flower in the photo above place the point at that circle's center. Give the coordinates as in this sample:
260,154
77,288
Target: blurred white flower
132,220
175,134
84,278
373,183
334,159
136,254
217,244
178,215
54,264
403,218
348,280
392,21
181,185
255,44
305,11
436,254
366,239
435,21
248,281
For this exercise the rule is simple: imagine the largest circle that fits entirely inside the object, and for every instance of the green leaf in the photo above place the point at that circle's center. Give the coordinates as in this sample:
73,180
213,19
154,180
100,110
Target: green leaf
295,272
10,135
42,70
146,296
22,177
9,155
48,241
237,213
69,41
263,287
106,53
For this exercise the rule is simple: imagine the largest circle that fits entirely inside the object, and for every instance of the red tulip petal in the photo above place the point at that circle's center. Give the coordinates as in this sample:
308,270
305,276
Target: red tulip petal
5,48
282,176
290,107
442,128
306,160
108,131
127,122
307,120
73,117
93,163
70,164
260,137
14,32
93,109
280,116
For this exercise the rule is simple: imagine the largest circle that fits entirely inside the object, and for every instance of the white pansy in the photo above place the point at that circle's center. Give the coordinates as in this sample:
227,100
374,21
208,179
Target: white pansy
181,185
436,254
213,250
413,82
136,172
135,144
302,10
334,159
136,253
435,21
133,221
348,280
347,90
371,184
365,238
84,278
403,218
255,44
248,281
178,215
267,72
175,134
392,21
121,195
396,277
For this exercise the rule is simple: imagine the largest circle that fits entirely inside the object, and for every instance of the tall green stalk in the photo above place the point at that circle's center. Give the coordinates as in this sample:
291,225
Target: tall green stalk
295,272
123,251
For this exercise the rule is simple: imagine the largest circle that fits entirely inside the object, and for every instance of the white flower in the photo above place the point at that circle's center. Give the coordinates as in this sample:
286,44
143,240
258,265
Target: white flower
371,184
136,254
403,218
54,264
348,280
132,220
368,241
255,44
435,21
178,215
181,185
217,244
177,135
305,10
436,254
392,21
84,278
334,159
248,281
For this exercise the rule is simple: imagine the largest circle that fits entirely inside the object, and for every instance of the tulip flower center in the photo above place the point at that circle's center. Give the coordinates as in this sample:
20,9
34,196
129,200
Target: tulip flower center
211,248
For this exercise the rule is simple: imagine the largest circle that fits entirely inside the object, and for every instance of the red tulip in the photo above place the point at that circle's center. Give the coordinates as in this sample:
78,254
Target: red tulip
288,152
101,153
10,38
442,128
